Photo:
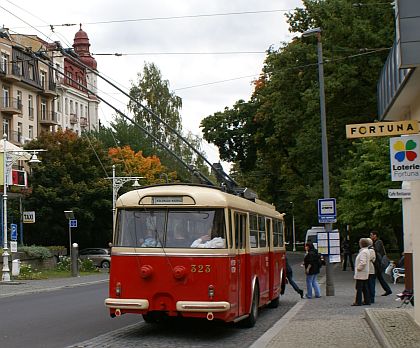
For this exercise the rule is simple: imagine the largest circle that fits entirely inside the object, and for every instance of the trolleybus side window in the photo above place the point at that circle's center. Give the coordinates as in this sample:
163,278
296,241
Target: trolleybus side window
261,231
269,232
240,228
253,231
278,233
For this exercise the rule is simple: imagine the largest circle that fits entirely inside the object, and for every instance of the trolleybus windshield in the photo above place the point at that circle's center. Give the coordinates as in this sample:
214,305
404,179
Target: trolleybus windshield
171,228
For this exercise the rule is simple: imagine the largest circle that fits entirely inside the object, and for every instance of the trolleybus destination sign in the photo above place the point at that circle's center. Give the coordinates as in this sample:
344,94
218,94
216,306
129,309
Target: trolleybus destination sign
379,129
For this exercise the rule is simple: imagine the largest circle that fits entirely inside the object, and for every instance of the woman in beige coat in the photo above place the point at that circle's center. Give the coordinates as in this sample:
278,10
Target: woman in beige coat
361,273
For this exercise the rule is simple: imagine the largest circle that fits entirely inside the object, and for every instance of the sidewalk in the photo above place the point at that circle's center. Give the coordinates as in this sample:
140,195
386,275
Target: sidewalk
20,287
331,321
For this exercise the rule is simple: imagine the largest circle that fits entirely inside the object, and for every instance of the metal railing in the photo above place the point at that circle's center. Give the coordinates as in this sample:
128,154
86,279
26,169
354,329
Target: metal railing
11,103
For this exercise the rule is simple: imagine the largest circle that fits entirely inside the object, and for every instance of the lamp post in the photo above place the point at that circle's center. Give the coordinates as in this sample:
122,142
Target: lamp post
117,183
69,214
293,226
9,158
324,142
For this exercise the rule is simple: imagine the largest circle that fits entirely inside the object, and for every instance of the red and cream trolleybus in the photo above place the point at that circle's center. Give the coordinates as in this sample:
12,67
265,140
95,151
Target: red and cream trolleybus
195,251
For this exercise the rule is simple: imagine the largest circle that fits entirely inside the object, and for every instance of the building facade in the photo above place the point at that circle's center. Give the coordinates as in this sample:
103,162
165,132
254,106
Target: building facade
36,98
399,99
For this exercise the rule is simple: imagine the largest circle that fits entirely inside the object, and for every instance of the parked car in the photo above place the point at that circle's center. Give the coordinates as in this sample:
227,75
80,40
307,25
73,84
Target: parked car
101,257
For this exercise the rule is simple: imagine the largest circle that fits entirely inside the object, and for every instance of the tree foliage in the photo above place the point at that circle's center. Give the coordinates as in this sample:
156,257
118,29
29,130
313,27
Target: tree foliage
364,202
70,178
275,138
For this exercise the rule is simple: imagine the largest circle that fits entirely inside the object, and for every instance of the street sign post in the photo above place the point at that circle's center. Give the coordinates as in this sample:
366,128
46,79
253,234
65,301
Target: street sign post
13,232
327,212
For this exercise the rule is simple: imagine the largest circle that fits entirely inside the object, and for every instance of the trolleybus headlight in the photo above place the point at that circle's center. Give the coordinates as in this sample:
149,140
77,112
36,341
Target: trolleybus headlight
211,291
118,289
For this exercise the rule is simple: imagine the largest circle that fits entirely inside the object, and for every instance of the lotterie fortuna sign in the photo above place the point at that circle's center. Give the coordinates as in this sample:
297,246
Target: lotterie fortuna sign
379,129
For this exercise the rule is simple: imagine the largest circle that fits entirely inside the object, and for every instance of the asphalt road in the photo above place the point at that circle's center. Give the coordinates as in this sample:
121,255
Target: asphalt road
76,317
57,318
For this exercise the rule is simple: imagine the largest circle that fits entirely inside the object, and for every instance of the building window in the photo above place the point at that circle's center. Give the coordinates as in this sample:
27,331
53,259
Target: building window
76,107
31,72
19,131
4,62
31,132
43,109
66,106
59,104
6,127
71,107
43,79
6,96
86,111
19,100
30,106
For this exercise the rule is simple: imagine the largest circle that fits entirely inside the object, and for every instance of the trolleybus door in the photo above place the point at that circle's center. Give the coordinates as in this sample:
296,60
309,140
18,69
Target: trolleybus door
240,222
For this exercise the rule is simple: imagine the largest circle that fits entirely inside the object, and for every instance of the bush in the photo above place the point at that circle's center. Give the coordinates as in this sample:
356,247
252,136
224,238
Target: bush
85,265
26,272
36,251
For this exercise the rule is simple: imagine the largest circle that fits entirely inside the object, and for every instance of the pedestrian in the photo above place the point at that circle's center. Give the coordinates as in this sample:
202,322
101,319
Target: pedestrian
312,264
379,269
347,254
289,276
361,274
372,276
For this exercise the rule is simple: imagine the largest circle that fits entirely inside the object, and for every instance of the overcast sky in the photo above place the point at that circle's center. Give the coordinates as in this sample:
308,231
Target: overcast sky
139,26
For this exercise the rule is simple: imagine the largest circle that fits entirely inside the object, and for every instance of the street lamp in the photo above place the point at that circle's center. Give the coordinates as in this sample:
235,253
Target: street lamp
9,158
117,183
293,226
324,142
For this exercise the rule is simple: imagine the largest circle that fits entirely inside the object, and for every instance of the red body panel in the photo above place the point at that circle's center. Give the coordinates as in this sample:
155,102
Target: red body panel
164,280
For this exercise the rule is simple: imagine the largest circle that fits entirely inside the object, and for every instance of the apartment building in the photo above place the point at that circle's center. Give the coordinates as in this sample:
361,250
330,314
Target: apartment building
35,98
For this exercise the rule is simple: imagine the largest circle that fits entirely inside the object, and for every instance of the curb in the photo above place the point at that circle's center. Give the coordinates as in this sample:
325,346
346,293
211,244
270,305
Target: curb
376,328
35,291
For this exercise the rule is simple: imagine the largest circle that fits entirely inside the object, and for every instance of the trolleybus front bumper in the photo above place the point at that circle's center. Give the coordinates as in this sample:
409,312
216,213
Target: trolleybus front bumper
202,306
126,303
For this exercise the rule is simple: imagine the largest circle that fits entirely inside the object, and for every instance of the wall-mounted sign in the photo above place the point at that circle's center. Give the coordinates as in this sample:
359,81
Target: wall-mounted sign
380,129
399,193
405,158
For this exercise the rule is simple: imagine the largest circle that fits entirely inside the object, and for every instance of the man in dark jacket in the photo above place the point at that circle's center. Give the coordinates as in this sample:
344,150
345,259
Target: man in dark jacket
380,253
347,254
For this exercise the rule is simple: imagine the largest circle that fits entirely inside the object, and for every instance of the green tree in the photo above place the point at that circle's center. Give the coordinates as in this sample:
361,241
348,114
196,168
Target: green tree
275,137
364,204
70,178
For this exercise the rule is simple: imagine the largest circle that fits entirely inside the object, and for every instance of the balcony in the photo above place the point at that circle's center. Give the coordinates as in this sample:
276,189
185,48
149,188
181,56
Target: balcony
16,138
10,72
49,89
396,88
83,122
10,106
48,118
73,118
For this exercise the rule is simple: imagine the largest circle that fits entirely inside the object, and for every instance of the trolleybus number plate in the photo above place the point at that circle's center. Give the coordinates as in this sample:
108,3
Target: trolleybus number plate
167,200
200,269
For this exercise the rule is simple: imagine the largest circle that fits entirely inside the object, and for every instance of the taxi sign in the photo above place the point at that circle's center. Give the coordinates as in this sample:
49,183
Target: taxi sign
380,129
28,217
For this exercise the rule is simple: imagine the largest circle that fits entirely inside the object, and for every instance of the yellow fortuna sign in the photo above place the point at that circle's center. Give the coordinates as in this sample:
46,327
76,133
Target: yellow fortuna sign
379,129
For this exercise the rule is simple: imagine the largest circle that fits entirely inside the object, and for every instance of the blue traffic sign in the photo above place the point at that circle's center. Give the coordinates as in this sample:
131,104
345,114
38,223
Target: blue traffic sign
13,232
327,211
73,223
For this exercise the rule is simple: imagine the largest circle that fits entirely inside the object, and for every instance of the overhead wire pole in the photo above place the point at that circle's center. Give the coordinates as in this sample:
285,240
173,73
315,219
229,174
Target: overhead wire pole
324,143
